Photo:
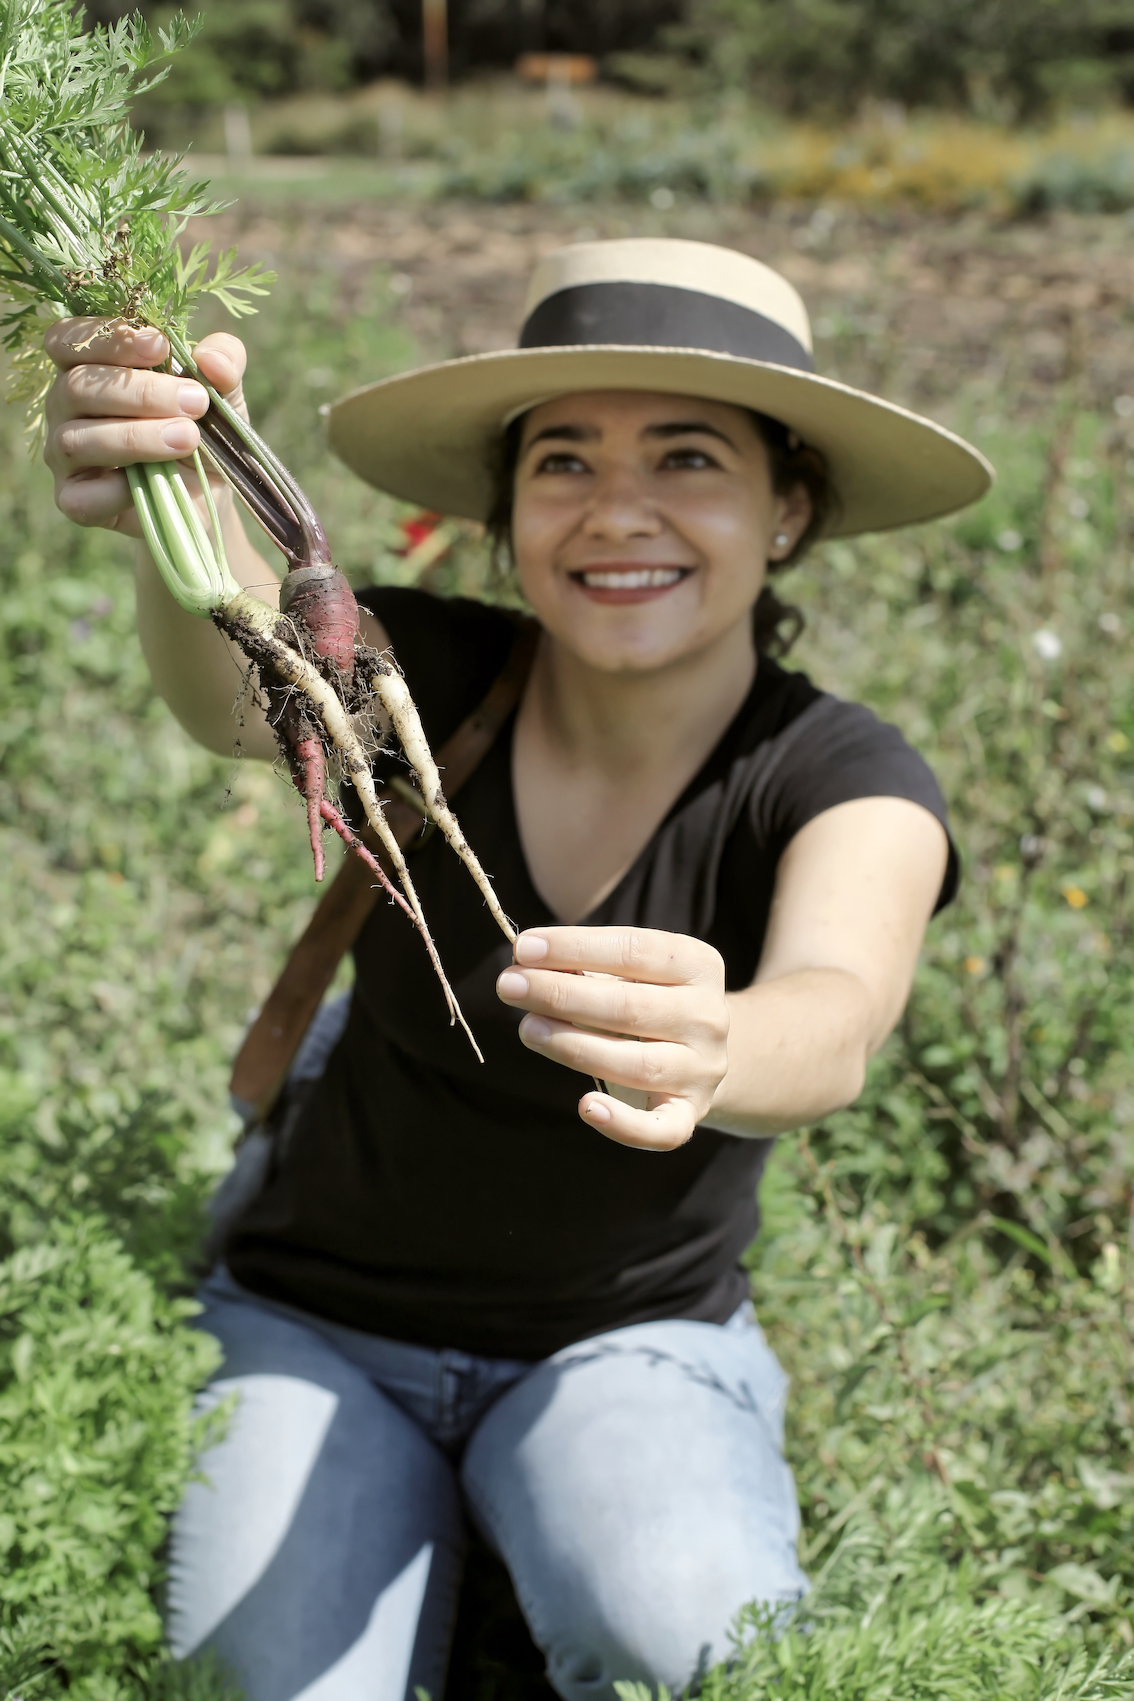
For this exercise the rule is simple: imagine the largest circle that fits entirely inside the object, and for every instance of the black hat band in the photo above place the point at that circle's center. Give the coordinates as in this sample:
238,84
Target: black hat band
640,315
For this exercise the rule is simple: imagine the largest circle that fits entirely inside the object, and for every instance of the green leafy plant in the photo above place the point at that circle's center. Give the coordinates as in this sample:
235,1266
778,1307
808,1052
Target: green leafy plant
889,1618
96,1436
90,225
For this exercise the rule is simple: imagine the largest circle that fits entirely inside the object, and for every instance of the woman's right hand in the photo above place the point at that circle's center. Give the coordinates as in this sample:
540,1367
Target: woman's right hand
107,410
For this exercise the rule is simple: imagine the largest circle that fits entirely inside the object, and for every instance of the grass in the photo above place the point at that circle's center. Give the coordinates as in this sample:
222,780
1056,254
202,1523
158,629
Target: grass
945,1269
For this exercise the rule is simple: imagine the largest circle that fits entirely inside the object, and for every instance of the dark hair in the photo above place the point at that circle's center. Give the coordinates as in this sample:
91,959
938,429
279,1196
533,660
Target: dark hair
776,625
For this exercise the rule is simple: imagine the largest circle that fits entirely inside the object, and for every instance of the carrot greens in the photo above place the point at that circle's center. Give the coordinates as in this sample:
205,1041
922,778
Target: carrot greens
92,227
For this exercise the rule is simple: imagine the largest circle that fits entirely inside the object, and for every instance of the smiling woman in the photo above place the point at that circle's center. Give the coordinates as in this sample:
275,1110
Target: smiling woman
466,1291
796,472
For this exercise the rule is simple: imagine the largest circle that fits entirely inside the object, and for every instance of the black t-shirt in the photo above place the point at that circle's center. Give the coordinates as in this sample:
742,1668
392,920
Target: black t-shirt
430,1198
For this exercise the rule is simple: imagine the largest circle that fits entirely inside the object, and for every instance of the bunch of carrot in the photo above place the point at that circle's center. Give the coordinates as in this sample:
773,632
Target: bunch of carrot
90,226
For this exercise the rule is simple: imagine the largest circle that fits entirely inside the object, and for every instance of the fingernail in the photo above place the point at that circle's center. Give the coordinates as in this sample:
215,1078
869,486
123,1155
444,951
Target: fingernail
180,436
192,399
512,985
534,1028
597,1111
531,948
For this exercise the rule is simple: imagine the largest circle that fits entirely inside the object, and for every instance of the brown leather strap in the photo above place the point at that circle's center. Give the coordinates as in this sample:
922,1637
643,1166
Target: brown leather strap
270,1045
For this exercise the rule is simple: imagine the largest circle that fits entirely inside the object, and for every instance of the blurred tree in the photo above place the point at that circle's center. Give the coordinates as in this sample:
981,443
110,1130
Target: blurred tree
258,48
255,48
1002,58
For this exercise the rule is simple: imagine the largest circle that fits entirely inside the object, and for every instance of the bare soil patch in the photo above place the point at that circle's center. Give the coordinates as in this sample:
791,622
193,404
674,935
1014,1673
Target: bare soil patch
914,305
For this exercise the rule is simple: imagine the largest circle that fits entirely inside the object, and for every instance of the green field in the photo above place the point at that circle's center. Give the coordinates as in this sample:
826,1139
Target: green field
947,1270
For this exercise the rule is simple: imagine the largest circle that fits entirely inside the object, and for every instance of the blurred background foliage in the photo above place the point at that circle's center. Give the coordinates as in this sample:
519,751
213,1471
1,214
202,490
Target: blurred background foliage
1013,57
996,58
1018,105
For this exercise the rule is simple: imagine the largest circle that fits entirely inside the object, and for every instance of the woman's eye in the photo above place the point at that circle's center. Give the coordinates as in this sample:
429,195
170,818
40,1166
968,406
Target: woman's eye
693,459
560,463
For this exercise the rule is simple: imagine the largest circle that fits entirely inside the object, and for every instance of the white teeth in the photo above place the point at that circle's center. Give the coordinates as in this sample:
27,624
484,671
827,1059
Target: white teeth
643,579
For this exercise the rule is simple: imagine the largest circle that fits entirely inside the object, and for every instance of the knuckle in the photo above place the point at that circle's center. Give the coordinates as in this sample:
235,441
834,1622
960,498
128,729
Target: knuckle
632,948
711,1039
701,1026
231,350
708,964
716,967
134,443
147,396
74,383
55,402
66,448
227,344
653,1068
570,1043
66,498
669,1135
73,499
58,335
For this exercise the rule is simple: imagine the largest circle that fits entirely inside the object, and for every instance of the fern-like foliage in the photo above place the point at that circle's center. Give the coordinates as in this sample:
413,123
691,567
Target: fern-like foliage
89,222
889,1618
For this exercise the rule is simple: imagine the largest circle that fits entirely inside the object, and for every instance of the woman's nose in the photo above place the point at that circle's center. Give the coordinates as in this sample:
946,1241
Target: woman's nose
621,507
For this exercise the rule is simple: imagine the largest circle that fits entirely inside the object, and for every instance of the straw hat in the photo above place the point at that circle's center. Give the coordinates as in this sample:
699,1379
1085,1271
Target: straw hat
680,318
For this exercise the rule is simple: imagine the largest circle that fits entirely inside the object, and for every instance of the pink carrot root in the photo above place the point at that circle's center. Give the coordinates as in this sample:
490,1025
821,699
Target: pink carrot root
343,828
321,600
311,779
346,833
308,767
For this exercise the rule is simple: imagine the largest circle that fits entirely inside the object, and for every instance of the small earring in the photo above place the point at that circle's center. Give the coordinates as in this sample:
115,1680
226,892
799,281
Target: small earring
780,539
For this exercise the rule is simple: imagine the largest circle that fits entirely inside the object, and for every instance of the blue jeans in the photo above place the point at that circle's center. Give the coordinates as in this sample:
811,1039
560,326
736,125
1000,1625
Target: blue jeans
633,1484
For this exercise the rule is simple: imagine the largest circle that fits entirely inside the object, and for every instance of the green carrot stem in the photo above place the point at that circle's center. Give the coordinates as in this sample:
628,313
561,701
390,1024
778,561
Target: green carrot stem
198,578
214,518
28,163
49,273
151,531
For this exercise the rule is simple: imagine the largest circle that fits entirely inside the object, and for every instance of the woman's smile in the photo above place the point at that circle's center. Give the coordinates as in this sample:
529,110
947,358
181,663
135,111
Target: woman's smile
627,582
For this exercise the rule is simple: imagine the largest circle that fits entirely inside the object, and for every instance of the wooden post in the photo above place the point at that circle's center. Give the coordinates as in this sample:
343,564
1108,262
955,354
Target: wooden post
435,42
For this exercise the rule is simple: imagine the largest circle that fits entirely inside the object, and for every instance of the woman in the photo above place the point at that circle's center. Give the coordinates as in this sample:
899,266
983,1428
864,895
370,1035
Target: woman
465,1291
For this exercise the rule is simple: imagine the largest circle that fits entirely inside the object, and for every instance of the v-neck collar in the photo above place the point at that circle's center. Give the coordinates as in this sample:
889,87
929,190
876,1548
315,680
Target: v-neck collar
769,675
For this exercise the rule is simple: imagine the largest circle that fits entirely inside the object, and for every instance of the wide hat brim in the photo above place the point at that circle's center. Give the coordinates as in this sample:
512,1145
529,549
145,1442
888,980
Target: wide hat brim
431,436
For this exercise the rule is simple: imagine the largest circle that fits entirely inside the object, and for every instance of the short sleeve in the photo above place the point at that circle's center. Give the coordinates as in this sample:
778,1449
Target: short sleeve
842,752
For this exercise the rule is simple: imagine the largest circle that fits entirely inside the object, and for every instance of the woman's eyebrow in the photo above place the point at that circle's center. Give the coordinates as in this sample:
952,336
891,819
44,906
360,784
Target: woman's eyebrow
682,427
591,434
564,433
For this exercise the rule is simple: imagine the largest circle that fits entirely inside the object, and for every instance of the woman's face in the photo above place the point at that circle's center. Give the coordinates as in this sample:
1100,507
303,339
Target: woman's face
642,524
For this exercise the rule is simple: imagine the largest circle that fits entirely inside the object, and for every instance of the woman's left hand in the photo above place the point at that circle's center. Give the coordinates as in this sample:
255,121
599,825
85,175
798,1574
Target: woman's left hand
658,1001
